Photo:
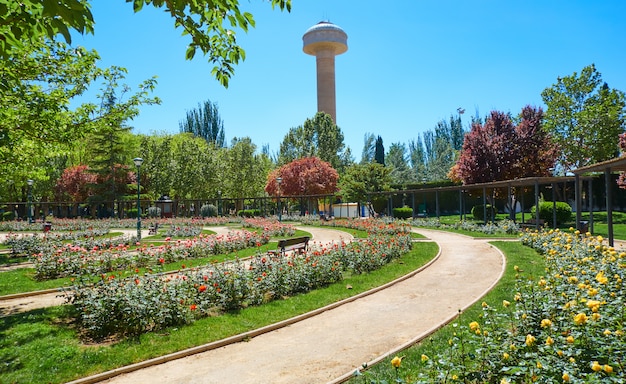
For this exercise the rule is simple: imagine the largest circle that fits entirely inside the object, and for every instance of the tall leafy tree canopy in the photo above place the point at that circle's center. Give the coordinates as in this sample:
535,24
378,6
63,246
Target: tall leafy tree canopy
205,122
360,180
318,137
210,25
369,148
584,118
500,150
44,85
437,151
397,161
305,176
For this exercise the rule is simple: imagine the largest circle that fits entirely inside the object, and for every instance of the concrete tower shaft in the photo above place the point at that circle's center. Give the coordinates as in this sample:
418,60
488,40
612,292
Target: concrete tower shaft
325,40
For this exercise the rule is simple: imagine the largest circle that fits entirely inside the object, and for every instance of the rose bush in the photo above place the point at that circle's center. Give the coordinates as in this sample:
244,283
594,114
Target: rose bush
565,326
108,307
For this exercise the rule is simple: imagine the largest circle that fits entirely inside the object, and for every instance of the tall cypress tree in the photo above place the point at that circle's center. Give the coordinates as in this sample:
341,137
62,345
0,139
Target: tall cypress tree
379,153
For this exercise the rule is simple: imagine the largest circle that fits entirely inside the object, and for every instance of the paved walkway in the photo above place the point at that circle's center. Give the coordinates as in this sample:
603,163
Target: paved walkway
332,344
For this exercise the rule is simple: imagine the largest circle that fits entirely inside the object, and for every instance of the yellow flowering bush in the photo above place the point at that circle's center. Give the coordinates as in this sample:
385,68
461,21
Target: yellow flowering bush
565,326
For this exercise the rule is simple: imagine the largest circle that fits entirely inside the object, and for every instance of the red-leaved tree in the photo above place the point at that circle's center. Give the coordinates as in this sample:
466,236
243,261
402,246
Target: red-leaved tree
75,183
305,176
500,150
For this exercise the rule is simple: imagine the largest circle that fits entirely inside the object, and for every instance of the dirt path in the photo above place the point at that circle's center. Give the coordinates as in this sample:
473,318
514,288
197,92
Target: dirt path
332,344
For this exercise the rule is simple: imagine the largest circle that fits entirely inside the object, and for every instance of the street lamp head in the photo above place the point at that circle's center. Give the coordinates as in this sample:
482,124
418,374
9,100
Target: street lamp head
30,182
279,180
138,161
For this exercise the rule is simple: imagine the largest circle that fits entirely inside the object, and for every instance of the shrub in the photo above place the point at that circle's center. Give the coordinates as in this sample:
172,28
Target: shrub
208,210
154,212
249,212
563,212
8,216
403,213
478,211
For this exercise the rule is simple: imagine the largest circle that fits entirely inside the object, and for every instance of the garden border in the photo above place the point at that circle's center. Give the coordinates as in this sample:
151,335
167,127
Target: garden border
246,335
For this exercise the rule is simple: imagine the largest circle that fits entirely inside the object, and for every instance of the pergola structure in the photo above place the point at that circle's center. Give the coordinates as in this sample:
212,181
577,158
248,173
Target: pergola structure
606,167
535,182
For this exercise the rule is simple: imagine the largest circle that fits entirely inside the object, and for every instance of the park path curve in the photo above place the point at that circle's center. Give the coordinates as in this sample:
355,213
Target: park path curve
331,345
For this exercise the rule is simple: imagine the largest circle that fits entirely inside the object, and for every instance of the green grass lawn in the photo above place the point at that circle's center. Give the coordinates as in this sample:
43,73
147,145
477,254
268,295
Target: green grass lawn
67,357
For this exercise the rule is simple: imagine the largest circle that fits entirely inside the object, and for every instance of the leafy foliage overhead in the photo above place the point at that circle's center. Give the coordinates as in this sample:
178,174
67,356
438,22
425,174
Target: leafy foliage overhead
210,25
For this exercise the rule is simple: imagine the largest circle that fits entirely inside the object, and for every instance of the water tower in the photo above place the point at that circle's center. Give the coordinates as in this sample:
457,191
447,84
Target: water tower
325,40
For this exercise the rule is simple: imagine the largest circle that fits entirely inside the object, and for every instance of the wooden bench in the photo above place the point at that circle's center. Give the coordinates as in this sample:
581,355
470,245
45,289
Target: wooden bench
299,244
531,223
152,230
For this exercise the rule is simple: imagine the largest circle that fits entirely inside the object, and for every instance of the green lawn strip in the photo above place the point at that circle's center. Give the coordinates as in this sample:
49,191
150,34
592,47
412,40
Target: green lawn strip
26,336
516,254
23,280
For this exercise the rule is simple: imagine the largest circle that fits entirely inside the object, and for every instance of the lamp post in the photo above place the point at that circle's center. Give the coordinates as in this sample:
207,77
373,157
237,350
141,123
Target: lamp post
279,180
219,203
30,200
138,161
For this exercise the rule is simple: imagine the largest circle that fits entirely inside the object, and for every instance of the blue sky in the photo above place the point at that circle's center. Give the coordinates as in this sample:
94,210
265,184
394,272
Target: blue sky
409,64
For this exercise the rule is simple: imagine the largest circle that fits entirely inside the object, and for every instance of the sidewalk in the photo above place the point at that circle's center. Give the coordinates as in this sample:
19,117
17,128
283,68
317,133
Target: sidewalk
334,343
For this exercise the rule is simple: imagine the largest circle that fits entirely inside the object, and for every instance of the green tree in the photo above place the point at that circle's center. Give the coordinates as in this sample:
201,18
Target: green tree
401,173
440,150
379,151
43,127
417,156
245,171
584,118
210,25
108,147
205,122
194,167
361,183
318,137
369,148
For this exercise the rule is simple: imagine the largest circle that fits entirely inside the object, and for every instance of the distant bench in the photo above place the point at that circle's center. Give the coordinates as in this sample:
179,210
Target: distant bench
299,244
531,223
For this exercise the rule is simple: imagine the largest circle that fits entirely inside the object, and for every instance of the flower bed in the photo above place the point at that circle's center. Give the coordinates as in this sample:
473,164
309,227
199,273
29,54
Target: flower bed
273,228
24,244
146,303
566,326
71,259
501,226
369,225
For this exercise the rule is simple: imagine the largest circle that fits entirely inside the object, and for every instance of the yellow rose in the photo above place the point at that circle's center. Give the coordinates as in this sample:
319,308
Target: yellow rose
596,367
546,323
396,361
505,303
530,340
424,358
580,318
570,339
549,341
565,377
474,326
607,368
505,356
539,365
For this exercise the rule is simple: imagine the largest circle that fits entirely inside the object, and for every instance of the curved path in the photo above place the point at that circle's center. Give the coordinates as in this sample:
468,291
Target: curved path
329,346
